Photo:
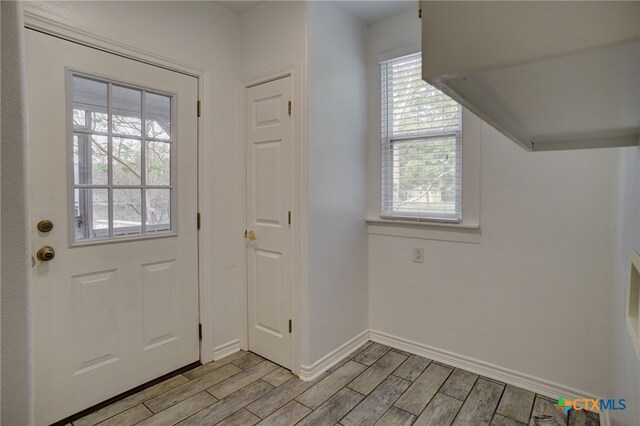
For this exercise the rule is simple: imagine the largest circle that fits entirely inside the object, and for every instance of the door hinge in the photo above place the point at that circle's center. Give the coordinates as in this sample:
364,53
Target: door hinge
289,217
290,326
200,331
199,108
289,107
199,221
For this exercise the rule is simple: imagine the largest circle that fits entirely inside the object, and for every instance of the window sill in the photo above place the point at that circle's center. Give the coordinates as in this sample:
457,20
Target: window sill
462,233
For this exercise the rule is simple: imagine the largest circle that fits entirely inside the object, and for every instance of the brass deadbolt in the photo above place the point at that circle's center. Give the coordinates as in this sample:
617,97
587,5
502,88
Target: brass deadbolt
45,226
46,254
250,235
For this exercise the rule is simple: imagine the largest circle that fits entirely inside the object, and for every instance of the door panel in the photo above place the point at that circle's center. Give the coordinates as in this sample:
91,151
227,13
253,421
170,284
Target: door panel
93,307
268,183
108,317
269,175
157,299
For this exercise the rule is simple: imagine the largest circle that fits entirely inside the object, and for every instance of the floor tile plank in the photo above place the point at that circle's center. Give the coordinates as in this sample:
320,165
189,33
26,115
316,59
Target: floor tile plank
240,418
423,389
181,410
338,365
374,375
278,377
401,352
373,353
412,368
459,384
583,418
130,401
440,411
225,407
360,349
288,415
128,418
516,404
333,409
240,380
280,396
248,361
396,417
542,406
192,387
331,384
374,385
214,365
380,400
480,405
500,420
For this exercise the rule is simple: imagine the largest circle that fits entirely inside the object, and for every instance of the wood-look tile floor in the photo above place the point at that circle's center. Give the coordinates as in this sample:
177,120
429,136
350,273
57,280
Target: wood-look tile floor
375,385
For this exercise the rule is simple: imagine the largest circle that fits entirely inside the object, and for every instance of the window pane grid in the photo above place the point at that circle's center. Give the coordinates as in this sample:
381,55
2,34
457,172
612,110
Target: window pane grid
116,193
421,146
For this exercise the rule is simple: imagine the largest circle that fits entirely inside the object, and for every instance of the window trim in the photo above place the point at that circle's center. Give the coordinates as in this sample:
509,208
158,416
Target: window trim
386,147
71,185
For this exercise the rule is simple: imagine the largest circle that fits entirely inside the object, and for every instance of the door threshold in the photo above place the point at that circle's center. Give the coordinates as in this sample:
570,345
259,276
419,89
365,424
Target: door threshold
125,394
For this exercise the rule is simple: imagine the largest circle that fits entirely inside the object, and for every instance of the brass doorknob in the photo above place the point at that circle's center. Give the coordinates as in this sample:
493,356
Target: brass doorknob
46,254
45,226
250,235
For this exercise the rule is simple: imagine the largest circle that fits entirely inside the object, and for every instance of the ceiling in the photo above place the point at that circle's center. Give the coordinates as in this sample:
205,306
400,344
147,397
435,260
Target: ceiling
239,6
368,11
372,11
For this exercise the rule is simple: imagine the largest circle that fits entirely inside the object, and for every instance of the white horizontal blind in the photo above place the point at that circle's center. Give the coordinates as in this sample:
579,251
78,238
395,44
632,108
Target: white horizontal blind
421,146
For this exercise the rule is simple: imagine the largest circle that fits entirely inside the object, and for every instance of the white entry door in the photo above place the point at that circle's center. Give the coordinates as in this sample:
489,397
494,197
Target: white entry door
269,177
113,168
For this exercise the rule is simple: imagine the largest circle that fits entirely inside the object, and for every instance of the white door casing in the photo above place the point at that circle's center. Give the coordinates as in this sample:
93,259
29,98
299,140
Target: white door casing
269,166
106,317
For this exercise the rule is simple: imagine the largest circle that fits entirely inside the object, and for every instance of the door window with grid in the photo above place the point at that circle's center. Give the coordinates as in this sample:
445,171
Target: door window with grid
122,156
421,146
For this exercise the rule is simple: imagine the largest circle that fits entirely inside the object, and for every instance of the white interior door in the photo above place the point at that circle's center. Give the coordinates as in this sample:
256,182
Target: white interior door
113,164
269,177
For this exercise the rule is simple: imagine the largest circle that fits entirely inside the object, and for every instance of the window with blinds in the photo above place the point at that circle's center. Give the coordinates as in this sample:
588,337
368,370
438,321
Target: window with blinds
421,146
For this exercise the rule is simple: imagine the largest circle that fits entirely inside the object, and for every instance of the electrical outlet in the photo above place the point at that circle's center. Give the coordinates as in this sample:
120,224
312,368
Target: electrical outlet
418,254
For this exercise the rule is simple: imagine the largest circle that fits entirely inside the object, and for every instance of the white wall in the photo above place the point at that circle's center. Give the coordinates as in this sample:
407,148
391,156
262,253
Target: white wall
204,35
332,279
273,36
274,41
534,295
624,380
16,368
337,288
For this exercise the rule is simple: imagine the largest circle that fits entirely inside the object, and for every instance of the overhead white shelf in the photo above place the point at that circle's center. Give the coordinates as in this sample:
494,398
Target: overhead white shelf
549,75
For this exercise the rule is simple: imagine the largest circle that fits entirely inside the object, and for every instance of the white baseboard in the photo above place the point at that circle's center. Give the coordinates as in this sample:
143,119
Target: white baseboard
308,373
501,374
226,349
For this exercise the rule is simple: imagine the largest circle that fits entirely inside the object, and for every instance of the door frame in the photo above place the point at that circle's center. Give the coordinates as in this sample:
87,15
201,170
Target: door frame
53,26
298,209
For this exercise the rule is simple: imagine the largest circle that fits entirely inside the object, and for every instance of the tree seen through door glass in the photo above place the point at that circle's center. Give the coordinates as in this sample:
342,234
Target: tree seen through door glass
158,163
158,210
91,213
127,111
158,121
126,159
90,159
127,212
122,175
90,104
